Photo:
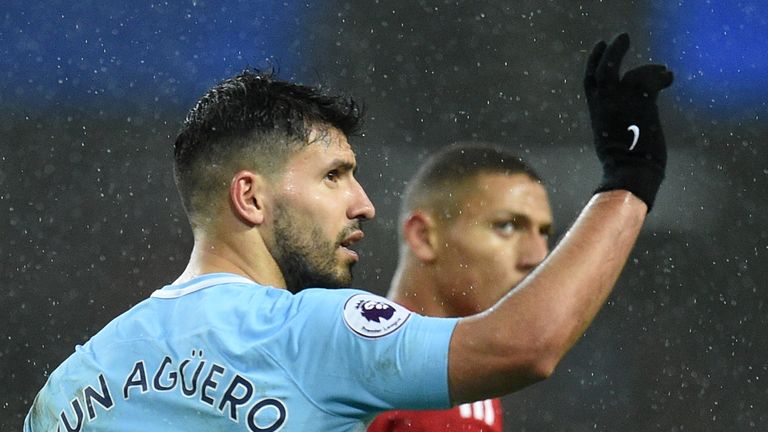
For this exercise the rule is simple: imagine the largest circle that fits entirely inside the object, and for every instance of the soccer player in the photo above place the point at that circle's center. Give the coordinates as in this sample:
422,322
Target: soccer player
243,341
474,220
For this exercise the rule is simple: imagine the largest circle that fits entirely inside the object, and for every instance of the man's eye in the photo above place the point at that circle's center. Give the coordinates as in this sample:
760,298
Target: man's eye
332,176
508,227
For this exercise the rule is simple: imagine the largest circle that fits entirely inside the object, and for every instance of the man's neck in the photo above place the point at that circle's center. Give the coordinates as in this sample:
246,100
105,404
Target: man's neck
414,288
221,256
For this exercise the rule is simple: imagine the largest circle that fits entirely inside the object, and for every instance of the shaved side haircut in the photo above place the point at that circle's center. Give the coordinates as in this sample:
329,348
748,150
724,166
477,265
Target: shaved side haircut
252,121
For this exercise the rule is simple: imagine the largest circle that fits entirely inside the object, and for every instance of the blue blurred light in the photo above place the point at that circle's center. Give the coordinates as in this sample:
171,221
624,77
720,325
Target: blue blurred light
98,52
718,50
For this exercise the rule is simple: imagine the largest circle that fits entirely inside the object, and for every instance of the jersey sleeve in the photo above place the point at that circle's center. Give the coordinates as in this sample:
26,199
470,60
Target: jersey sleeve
367,354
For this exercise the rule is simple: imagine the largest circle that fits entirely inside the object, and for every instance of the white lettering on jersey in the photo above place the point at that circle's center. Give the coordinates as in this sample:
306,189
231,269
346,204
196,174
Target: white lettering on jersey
481,411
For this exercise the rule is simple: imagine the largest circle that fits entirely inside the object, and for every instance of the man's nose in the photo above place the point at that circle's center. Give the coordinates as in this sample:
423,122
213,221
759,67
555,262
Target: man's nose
360,206
534,250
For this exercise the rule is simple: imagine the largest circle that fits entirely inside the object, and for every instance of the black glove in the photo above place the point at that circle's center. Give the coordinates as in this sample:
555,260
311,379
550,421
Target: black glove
625,120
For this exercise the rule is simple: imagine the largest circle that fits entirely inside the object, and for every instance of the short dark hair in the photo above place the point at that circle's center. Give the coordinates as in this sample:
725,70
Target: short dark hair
251,121
435,186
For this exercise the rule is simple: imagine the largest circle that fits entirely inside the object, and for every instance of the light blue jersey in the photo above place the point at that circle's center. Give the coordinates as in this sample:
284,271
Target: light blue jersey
224,353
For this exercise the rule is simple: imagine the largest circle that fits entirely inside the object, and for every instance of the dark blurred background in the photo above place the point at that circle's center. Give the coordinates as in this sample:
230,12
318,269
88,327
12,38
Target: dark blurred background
92,94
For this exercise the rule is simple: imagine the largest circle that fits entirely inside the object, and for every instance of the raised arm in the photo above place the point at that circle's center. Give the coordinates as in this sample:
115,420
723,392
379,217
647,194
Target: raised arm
524,336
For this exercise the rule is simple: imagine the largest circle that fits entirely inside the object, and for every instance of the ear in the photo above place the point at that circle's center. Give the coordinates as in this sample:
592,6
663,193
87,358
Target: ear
247,195
419,231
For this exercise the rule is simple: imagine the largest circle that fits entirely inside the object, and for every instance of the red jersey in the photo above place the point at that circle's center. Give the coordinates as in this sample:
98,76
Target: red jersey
483,416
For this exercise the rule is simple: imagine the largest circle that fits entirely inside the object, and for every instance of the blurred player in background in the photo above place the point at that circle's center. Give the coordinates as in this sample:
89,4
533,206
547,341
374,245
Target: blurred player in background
474,221
242,341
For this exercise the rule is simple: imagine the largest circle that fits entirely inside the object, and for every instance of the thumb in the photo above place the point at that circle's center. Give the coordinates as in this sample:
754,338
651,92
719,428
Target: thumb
649,78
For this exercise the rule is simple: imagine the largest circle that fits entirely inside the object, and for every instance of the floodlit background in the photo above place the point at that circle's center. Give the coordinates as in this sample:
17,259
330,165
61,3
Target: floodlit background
92,94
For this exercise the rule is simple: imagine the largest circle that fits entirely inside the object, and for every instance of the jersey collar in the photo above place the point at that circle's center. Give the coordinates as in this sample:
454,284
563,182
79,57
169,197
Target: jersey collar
199,283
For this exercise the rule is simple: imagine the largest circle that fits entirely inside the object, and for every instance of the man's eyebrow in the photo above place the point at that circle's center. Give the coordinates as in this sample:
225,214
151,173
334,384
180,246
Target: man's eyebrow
343,165
547,228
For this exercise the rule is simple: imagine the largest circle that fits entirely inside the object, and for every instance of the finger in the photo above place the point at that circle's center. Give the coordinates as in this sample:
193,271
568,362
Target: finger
649,78
607,72
592,61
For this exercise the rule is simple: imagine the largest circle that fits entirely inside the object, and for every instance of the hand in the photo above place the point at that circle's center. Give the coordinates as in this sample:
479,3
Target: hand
625,120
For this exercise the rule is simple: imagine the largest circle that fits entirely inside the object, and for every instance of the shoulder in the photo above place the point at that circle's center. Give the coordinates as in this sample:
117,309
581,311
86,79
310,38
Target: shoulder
367,315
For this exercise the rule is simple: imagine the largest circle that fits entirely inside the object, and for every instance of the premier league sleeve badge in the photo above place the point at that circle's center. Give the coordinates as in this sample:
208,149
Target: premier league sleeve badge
372,317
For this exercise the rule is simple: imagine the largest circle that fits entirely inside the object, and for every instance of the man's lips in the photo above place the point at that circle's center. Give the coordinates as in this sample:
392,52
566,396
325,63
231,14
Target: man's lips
353,238
347,243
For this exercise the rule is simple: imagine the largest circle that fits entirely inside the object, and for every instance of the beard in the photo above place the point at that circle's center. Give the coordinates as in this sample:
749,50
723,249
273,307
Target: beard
304,257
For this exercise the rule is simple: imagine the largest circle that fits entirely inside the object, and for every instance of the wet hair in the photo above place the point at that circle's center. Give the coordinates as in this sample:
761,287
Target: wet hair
437,185
251,121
